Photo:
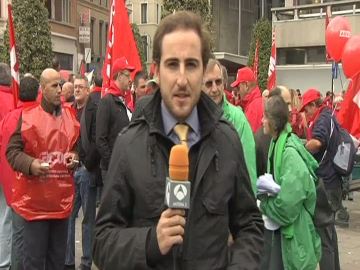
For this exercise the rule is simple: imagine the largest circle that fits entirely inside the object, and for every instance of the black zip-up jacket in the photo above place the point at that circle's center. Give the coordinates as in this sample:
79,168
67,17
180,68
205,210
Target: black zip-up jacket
111,118
221,199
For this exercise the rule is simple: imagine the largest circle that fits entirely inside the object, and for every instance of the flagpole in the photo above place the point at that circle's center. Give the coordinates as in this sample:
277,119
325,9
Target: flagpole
14,64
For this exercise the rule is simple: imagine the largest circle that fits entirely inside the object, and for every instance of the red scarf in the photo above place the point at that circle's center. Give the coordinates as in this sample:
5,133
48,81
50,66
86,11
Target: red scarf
96,89
312,122
116,91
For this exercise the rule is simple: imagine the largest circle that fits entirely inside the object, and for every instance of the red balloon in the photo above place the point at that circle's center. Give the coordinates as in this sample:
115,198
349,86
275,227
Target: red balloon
351,57
337,34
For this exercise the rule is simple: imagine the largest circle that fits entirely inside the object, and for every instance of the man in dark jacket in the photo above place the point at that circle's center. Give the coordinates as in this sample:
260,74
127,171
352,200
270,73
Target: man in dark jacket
112,113
134,229
319,118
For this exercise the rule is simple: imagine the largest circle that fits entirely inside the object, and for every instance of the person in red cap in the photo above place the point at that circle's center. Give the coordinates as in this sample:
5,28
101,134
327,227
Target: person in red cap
251,100
320,141
113,114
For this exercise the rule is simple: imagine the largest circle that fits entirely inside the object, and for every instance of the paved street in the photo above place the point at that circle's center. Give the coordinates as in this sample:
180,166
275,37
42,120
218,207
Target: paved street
349,239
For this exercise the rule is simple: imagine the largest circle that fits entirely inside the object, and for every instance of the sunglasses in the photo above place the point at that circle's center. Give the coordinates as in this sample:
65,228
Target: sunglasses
210,83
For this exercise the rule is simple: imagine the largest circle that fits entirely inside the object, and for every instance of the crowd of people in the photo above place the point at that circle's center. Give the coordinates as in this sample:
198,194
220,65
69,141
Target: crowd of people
264,190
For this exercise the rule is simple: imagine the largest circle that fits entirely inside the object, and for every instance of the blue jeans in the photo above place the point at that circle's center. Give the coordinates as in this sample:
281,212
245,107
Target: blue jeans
17,251
85,197
5,233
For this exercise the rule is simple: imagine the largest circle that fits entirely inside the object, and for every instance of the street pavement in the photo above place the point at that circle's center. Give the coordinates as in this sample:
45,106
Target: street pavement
348,238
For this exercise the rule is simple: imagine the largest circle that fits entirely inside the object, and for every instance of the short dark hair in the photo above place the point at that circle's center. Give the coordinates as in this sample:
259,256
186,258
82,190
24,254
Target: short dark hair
82,77
276,110
139,75
55,63
5,74
182,20
29,88
98,81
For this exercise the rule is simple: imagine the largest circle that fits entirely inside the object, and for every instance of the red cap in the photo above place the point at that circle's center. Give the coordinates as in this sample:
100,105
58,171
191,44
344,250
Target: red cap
243,75
309,96
121,64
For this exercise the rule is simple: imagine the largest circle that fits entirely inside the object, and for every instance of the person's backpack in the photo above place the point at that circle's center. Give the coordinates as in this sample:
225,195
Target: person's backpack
343,157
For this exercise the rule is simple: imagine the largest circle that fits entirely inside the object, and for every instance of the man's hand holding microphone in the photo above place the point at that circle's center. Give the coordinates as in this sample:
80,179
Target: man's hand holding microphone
171,226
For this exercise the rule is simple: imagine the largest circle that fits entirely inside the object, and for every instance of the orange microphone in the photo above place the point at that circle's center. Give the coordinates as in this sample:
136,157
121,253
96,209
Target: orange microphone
177,190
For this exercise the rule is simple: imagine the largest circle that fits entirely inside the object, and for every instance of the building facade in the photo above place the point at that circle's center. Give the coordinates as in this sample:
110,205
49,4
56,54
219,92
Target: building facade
300,40
66,17
95,15
146,14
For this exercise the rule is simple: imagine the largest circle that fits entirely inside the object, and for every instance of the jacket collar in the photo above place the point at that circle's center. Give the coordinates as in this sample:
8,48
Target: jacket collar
254,94
209,114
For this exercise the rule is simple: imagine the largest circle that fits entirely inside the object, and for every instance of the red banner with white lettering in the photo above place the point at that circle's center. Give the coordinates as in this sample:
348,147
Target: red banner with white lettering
14,63
272,64
120,43
256,60
349,114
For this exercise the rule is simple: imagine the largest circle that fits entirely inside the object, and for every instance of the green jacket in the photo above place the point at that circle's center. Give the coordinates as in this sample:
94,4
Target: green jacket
294,206
236,117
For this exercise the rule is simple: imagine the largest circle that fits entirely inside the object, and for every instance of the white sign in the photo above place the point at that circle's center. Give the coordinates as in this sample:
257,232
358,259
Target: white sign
84,34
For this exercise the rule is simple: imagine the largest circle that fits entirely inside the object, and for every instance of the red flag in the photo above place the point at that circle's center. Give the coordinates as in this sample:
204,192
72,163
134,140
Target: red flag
327,20
82,68
256,60
349,114
14,63
121,42
272,64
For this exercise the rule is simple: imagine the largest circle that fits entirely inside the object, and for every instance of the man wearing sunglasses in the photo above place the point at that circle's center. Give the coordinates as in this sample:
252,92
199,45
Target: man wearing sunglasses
113,114
214,87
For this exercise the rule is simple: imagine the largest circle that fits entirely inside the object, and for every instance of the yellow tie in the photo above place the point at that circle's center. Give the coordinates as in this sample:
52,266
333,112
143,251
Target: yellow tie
182,131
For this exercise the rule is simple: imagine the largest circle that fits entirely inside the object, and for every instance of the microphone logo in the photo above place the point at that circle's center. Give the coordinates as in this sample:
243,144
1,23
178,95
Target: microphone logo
180,191
167,193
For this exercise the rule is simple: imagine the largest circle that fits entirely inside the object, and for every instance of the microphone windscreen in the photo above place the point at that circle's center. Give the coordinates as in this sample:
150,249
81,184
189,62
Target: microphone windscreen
179,163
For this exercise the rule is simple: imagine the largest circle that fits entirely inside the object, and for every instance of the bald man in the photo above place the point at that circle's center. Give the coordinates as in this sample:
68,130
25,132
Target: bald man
67,92
44,166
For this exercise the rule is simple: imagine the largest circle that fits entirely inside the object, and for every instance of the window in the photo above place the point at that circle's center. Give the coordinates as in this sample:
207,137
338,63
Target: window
92,25
144,43
143,12
316,54
106,33
301,56
65,60
101,40
247,5
234,4
66,11
59,10
129,8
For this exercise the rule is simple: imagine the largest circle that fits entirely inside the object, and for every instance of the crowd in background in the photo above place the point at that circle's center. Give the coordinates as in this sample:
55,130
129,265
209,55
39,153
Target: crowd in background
284,137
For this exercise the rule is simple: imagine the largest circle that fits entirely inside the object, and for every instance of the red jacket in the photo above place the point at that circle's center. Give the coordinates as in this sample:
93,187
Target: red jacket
7,127
253,107
6,100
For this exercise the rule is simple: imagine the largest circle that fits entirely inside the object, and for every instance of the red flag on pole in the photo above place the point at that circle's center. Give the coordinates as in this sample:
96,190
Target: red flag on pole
121,42
327,20
272,64
82,69
256,60
349,114
14,63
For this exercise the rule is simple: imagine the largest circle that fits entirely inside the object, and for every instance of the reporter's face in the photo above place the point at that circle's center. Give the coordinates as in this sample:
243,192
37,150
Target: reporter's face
180,72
